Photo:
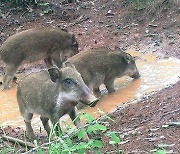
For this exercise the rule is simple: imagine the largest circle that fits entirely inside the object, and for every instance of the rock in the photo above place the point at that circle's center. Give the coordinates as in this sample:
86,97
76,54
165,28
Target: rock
109,13
115,33
171,43
152,25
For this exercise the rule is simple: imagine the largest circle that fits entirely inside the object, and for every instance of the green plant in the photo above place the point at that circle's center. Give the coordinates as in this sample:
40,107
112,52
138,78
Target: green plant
5,150
160,149
114,139
70,141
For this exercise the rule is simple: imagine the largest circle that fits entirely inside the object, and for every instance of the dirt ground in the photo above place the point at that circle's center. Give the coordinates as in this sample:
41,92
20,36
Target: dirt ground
154,29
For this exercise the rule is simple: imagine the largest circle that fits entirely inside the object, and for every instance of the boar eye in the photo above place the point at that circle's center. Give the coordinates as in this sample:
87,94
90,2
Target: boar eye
68,81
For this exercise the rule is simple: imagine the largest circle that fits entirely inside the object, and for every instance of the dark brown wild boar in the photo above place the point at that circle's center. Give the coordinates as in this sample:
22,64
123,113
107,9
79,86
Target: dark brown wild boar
52,95
36,44
102,66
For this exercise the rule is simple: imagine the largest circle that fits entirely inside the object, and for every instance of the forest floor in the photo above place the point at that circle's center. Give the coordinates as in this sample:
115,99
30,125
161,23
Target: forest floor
153,29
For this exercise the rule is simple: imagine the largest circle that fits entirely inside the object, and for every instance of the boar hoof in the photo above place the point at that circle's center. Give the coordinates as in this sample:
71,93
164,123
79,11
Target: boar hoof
111,91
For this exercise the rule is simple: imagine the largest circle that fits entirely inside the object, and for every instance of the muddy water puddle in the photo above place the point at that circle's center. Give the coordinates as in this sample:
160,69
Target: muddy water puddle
155,75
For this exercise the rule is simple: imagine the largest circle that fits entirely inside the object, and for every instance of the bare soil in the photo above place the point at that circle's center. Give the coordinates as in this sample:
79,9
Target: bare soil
154,29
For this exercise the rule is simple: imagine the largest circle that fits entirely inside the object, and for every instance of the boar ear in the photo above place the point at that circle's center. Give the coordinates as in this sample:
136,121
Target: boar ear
136,58
127,58
73,37
64,29
54,74
69,64
74,41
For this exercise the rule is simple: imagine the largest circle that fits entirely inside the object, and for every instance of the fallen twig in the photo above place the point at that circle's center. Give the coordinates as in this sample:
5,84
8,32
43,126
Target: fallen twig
152,25
79,20
124,142
176,124
151,35
15,140
154,139
171,112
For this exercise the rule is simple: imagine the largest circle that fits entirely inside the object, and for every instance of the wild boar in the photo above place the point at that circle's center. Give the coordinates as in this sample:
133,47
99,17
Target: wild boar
52,94
102,66
36,44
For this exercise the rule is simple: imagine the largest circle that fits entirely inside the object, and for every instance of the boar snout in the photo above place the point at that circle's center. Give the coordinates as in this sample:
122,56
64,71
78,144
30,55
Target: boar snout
93,104
90,100
88,97
136,75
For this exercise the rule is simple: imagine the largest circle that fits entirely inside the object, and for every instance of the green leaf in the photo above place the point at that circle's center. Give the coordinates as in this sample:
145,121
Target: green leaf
112,142
47,11
160,152
95,127
5,150
82,145
87,117
40,151
115,138
97,144
100,127
81,133
98,152
91,129
69,141
81,151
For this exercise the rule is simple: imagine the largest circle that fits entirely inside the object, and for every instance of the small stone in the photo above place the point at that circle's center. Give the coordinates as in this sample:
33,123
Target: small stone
109,13
115,33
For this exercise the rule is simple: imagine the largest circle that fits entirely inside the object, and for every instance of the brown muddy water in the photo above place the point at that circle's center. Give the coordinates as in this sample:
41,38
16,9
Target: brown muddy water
155,75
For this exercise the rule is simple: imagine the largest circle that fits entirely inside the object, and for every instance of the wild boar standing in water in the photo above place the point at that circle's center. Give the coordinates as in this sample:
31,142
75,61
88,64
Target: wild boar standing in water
102,66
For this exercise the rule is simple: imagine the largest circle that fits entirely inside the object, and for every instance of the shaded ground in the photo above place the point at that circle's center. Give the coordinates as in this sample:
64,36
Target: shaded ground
154,29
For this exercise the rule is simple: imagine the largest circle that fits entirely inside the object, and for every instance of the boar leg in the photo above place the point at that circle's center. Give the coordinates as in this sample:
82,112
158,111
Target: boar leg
57,60
29,131
109,85
9,74
96,91
48,62
55,122
45,123
77,122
